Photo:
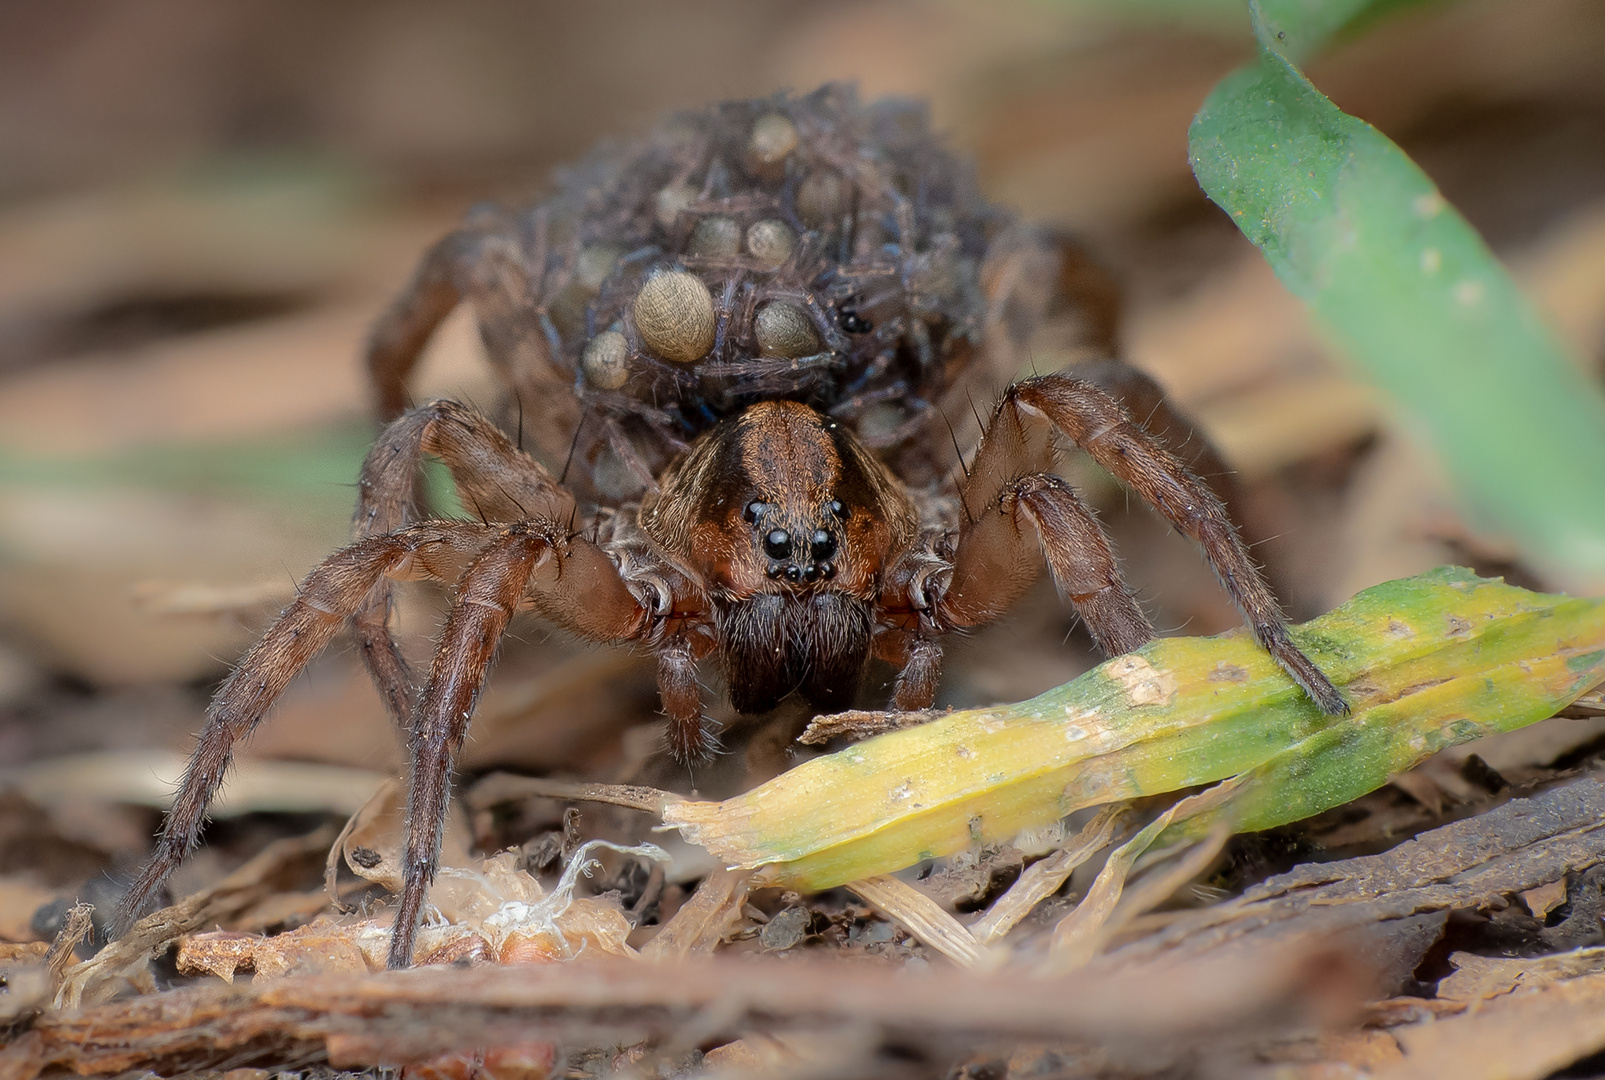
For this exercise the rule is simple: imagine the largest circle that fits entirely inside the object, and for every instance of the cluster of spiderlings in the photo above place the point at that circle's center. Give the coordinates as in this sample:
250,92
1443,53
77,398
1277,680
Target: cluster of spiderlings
810,248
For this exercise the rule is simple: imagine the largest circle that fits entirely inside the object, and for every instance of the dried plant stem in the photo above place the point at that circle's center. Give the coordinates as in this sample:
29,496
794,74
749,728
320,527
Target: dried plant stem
1042,879
922,917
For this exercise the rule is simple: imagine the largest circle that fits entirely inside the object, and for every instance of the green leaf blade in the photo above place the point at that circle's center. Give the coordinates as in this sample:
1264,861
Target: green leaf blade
1426,662
1411,293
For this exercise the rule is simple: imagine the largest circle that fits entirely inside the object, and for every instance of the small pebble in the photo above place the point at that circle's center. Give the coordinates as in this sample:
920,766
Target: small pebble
786,930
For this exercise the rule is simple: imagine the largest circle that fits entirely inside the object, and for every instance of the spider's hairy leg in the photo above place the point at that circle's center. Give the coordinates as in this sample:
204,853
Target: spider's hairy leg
1098,424
496,481
496,262
918,659
1038,518
1148,404
484,261
333,591
570,581
690,739
1087,289
1016,515
399,337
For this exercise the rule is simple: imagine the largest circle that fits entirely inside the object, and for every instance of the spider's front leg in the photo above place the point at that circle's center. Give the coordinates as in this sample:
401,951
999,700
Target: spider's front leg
1147,403
569,580
495,480
1017,515
334,591
992,565
1096,422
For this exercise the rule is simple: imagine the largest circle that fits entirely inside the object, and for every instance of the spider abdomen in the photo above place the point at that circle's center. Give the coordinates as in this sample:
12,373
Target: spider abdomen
801,247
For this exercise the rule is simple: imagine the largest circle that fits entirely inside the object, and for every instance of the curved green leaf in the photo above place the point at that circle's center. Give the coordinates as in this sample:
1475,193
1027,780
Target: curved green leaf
1409,291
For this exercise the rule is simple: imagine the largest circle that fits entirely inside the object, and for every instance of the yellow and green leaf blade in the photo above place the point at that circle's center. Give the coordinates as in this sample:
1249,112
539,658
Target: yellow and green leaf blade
1426,662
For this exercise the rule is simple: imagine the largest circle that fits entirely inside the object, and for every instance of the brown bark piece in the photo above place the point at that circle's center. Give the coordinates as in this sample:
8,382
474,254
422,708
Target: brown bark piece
1521,1036
396,1017
1473,863
124,958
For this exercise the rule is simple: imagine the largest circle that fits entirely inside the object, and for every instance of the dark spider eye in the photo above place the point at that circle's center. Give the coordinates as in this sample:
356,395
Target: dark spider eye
753,511
852,322
822,545
838,508
777,545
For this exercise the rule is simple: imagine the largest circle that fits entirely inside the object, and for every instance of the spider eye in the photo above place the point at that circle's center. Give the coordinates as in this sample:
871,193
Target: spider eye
838,508
777,545
754,511
822,545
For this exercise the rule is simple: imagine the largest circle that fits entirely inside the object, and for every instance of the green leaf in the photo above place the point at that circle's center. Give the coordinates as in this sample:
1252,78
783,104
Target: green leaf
1409,291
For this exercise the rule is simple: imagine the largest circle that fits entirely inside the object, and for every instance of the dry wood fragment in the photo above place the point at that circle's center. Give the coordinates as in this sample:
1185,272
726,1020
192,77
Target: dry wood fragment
1042,879
1544,899
400,1016
506,787
1474,863
858,724
703,920
80,923
128,955
1519,1036
1081,934
1479,978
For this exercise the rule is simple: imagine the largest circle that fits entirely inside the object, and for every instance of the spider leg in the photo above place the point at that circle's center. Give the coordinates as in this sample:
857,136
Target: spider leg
330,593
1031,519
997,560
1147,403
1089,292
571,581
496,482
918,659
689,738
399,337
495,479
1096,422
498,263
1087,289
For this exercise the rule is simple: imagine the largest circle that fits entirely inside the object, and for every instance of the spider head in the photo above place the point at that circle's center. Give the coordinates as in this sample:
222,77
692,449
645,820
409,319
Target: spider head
788,520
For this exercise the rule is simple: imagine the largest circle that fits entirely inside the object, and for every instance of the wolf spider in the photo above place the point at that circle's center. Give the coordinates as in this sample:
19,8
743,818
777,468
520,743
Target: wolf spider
739,340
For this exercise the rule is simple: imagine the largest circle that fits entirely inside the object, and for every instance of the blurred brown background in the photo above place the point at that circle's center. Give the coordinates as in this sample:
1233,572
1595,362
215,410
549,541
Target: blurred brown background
203,205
